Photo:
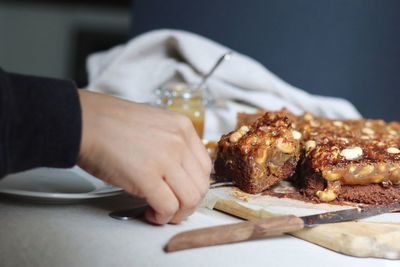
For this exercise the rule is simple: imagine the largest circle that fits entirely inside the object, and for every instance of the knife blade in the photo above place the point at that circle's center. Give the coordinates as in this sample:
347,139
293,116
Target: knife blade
266,227
348,215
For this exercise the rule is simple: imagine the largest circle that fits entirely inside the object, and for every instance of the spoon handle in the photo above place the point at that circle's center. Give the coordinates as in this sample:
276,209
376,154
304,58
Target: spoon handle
224,57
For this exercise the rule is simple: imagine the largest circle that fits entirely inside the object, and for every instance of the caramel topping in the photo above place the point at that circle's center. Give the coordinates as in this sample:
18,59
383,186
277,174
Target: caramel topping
362,174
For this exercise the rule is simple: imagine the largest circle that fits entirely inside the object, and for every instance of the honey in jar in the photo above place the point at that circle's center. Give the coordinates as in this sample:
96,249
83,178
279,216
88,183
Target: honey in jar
186,99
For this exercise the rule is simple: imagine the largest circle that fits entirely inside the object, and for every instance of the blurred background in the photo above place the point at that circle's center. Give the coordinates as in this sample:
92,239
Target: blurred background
341,48
53,38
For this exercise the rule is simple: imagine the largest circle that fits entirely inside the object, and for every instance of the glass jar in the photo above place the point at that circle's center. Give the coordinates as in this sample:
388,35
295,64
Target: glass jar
187,99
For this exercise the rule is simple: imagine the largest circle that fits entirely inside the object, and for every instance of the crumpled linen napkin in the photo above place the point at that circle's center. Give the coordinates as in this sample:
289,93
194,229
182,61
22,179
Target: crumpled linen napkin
136,69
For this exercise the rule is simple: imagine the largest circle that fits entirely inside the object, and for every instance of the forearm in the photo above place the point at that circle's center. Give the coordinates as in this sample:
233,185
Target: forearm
40,123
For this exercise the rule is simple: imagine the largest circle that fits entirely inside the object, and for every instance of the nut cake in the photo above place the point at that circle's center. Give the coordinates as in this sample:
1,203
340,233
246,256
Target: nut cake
259,155
349,160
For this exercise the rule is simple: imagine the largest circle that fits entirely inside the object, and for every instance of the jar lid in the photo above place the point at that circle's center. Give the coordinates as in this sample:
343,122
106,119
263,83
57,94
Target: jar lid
179,90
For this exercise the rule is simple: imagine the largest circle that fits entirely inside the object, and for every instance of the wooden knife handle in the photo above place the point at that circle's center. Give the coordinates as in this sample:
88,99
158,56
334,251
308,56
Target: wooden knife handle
230,233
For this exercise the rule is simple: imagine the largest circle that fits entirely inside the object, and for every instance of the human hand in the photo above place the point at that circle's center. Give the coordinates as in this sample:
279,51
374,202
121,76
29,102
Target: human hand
151,153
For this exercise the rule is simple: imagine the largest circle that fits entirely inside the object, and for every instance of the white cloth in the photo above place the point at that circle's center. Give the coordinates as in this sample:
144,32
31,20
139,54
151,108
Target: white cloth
134,70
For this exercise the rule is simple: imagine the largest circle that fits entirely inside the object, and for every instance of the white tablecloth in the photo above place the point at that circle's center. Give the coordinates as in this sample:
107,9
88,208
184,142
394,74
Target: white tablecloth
84,235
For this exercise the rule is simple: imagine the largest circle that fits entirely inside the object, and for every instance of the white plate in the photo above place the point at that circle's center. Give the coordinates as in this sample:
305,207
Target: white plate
56,185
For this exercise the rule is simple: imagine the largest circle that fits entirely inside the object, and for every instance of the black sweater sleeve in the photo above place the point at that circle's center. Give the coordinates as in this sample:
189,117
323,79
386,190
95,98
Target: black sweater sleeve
40,123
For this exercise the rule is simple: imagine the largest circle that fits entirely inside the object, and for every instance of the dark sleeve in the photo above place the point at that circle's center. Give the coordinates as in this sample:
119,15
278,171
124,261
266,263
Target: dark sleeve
40,123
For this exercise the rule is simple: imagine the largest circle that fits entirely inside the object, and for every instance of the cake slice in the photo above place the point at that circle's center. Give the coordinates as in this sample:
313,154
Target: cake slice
261,154
351,160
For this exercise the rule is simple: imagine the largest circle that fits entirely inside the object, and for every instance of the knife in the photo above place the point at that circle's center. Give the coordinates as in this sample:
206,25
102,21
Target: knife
265,227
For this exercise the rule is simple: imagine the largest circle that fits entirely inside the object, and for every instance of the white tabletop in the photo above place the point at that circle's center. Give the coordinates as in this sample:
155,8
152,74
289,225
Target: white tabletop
84,235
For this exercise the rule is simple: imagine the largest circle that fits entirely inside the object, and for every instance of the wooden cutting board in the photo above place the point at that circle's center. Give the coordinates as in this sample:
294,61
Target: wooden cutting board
360,239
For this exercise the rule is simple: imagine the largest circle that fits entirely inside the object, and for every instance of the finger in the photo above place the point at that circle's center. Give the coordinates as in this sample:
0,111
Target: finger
201,153
162,201
195,144
193,168
186,192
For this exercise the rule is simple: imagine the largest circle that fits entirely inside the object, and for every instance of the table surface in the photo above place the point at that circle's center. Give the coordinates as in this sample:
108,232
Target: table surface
84,235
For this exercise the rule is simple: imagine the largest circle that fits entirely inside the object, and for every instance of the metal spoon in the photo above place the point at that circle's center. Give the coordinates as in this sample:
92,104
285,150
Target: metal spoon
224,57
130,214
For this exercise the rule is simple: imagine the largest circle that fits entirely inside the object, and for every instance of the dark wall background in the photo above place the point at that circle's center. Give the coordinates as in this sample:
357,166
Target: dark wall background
346,48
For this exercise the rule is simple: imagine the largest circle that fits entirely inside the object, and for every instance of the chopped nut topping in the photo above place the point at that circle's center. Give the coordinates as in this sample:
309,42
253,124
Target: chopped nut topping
244,129
235,137
368,123
308,116
380,144
338,123
314,123
310,145
296,134
368,131
352,153
330,192
285,146
238,134
327,195
393,150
